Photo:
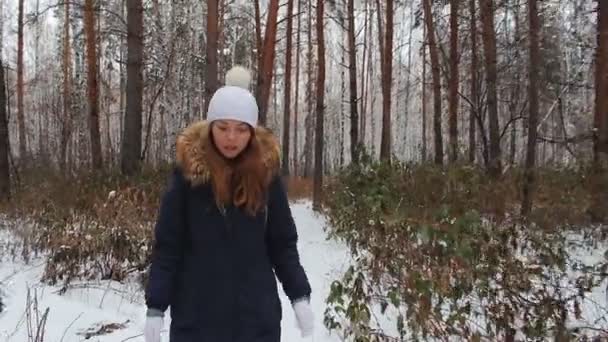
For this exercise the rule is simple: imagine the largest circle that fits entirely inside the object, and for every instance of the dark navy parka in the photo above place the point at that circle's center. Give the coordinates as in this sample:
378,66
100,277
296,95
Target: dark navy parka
215,268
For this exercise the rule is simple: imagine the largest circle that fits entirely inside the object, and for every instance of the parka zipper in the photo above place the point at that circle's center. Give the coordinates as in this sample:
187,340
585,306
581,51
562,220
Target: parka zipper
225,212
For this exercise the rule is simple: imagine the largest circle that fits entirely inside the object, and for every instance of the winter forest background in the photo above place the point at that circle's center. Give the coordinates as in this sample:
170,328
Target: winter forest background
474,133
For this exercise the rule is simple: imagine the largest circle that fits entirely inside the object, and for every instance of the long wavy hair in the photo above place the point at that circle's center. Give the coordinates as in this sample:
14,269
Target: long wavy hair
240,181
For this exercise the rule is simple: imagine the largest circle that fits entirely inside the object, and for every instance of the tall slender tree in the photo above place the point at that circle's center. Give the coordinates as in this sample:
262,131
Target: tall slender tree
473,87
287,103
319,136
20,81
387,81
487,11
5,176
66,122
211,67
93,98
599,209
533,83
131,139
352,74
267,66
436,79
454,81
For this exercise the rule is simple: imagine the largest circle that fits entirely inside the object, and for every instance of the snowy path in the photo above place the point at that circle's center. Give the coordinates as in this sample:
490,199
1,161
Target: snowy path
97,305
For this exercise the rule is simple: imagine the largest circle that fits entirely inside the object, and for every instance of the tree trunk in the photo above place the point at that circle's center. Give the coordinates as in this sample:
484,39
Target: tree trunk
131,140
211,67
424,100
5,175
599,206
436,77
352,73
287,103
454,82
66,127
364,71
387,81
489,48
91,41
474,91
534,54
308,122
318,177
258,37
268,52
297,98
20,110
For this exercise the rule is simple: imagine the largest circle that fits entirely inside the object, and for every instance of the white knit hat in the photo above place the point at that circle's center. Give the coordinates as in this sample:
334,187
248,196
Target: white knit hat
234,101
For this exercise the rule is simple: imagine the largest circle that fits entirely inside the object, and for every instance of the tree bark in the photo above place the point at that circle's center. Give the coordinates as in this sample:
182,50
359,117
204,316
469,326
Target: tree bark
352,74
5,175
20,99
534,66
309,121
436,77
66,126
599,205
454,82
93,98
268,52
297,98
474,91
489,46
387,81
211,67
287,103
318,174
424,100
131,140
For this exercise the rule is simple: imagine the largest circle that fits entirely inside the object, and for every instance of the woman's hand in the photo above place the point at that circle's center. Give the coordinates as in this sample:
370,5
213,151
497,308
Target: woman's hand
154,324
304,317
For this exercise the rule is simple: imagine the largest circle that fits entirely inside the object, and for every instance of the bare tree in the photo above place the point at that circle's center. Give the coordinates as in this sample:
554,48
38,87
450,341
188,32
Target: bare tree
318,174
20,110
297,97
487,11
267,65
5,175
287,104
66,120
436,78
534,66
211,67
599,206
131,139
93,98
352,73
386,63
454,82
474,91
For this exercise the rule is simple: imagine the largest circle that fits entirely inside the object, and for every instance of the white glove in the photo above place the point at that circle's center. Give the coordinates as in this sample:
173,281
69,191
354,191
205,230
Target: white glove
304,317
154,324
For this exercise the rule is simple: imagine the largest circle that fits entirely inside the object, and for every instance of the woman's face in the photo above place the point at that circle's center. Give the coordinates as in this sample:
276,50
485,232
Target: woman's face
230,137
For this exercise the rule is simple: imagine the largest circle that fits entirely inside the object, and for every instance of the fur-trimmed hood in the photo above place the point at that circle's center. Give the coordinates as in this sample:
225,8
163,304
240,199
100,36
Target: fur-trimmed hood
191,154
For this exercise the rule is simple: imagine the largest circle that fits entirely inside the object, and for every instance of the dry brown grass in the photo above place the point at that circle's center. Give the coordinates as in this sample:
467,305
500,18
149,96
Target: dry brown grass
298,187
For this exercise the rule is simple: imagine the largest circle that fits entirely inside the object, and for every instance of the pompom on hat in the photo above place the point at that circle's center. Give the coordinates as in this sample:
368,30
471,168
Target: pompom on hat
234,101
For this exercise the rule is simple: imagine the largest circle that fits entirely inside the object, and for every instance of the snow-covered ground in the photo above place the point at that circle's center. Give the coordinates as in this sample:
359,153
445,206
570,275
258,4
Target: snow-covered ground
110,311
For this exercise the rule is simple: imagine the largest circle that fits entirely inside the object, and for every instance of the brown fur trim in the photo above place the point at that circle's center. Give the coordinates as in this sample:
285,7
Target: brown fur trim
191,155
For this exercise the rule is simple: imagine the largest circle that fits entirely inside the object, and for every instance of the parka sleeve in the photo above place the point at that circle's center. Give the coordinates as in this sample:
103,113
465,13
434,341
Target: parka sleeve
282,244
168,243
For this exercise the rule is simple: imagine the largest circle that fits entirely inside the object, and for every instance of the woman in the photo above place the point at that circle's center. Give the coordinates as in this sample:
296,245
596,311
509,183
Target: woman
224,226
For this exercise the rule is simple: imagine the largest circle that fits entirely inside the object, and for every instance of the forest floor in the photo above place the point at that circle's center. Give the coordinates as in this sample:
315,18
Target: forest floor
111,311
